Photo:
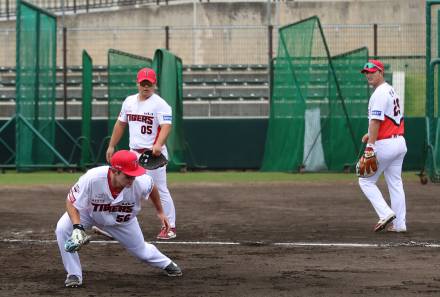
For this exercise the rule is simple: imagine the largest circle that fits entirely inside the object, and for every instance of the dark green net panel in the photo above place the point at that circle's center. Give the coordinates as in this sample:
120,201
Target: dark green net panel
87,94
35,87
432,112
169,71
310,123
122,71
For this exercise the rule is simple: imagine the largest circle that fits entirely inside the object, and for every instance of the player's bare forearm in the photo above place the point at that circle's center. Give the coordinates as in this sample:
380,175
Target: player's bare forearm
155,199
165,130
118,131
72,212
373,131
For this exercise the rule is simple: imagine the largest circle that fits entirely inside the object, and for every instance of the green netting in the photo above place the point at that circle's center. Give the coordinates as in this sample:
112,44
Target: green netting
35,86
122,71
309,126
87,93
355,93
432,163
169,71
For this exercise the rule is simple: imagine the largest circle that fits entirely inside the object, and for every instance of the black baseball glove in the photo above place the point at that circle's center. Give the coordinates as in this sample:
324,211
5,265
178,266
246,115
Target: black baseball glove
150,162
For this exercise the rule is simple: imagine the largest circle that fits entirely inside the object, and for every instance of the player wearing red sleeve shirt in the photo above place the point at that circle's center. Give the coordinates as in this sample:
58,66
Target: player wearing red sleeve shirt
385,138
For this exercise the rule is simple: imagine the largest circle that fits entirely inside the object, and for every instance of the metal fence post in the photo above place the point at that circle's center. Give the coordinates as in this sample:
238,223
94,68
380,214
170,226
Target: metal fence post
167,37
7,9
375,40
269,58
65,72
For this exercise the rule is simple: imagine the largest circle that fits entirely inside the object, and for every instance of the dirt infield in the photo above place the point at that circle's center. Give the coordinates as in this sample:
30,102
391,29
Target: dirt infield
243,240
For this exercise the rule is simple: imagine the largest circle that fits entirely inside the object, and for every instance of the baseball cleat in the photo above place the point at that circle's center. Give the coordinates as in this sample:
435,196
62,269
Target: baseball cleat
396,230
99,231
384,222
164,235
73,281
173,270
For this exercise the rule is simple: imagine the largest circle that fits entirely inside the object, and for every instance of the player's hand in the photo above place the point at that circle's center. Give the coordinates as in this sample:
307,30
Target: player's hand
77,240
367,164
157,149
164,221
109,153
365,138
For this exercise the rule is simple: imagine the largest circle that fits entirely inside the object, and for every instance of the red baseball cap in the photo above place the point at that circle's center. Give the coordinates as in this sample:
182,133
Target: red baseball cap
146,74
372,66
127,162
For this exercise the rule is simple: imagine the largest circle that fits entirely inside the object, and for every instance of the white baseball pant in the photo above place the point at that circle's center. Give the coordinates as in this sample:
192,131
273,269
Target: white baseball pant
129,235
390,154
159,176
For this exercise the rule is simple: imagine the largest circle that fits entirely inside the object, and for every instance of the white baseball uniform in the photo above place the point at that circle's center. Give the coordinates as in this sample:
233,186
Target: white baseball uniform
144,119
390,148
100,206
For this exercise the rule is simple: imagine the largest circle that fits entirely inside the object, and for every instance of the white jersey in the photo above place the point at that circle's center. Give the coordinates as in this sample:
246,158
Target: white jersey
144,119
92,196
384,105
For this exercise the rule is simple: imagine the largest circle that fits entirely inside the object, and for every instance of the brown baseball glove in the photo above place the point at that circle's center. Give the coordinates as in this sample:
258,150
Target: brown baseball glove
367,164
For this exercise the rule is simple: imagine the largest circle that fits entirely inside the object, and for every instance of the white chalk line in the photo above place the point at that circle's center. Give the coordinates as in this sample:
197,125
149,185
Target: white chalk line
252,243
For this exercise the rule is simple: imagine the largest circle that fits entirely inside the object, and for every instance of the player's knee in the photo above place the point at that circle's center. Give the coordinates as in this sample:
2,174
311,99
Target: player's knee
363,182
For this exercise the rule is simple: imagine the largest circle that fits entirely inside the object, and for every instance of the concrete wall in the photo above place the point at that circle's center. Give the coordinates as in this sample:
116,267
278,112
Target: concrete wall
141,30
256,13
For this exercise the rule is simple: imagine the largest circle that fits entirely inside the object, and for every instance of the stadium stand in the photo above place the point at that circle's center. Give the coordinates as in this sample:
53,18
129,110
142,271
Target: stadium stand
205,83
208,90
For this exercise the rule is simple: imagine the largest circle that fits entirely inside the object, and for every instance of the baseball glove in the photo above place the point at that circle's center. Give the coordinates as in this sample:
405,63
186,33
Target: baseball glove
367,164
77,240
150,162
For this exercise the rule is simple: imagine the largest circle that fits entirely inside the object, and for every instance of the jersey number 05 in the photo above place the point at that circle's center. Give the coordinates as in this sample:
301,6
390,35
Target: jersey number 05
146,129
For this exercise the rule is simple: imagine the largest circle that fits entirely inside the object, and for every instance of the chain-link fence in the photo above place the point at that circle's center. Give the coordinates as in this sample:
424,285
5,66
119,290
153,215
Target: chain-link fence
402,46
8,7
223,44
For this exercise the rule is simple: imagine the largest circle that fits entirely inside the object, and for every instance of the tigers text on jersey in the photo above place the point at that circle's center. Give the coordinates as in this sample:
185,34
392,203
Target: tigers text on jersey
384,105
144,119
91,195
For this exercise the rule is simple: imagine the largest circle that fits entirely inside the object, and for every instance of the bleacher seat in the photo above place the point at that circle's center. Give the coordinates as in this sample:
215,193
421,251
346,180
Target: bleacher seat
218,67
198,67
259,67
7,82
4,69
239,67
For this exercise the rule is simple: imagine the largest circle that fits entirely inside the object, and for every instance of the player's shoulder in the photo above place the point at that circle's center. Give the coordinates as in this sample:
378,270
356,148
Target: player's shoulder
96,173
384,88
143,179
159,100
145,182
131,98
380,91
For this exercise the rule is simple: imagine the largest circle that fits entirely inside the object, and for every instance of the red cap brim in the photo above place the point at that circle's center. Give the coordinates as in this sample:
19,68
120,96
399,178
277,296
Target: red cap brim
138,172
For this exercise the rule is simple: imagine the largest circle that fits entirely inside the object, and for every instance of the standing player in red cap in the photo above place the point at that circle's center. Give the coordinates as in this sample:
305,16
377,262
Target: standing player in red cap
385,140
149,118
110,197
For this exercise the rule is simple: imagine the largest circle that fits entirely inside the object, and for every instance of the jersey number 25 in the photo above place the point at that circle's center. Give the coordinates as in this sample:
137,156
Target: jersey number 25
396,107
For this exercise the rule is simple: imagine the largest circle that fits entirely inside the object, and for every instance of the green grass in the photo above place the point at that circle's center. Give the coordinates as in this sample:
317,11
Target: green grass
13,178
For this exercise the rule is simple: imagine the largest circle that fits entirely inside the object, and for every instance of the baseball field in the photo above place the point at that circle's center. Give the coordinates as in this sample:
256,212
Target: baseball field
238,234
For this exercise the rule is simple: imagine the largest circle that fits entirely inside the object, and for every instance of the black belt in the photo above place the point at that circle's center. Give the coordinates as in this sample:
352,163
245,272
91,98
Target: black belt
141,151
